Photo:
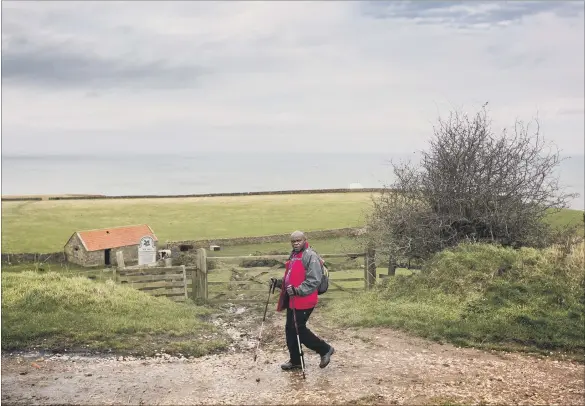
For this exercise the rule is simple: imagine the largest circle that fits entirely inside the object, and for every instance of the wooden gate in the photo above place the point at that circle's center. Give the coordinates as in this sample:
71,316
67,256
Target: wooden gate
246,278
170,282
214,279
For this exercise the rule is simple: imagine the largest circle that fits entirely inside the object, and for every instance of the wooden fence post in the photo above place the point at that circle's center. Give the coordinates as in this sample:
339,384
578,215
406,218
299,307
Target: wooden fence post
194,282
201,275
370,267
185,280
366,267
391,266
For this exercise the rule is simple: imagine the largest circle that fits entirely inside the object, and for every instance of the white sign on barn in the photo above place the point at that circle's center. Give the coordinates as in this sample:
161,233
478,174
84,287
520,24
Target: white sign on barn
146,251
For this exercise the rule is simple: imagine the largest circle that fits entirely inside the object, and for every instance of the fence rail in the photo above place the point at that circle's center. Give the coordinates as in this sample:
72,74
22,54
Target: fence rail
262,257
170,282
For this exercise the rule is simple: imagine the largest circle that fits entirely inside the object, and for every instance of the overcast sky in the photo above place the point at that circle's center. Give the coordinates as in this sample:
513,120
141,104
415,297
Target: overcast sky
202,76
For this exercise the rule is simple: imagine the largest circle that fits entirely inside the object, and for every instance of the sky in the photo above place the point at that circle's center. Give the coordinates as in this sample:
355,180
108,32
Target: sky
339,77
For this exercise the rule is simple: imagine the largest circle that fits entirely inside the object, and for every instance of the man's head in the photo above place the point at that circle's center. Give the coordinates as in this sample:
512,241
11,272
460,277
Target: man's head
297,240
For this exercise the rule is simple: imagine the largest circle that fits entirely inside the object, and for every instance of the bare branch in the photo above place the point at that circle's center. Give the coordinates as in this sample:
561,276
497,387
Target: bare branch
470,185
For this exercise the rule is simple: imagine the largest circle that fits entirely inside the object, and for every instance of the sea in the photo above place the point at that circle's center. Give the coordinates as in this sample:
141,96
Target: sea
183,174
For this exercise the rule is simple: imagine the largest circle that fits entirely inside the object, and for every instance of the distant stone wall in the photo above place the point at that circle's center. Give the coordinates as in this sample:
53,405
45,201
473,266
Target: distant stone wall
189,245
80,257
131,253
21,199
276,192
28,257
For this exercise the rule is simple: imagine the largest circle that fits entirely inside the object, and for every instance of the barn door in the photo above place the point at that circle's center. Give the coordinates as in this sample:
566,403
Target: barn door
107,257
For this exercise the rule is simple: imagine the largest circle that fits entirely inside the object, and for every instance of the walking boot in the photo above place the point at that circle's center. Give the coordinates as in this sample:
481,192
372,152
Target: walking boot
287,366
327,357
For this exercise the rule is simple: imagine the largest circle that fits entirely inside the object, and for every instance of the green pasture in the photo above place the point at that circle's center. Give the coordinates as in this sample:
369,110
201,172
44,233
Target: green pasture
567,217
322,245
45,226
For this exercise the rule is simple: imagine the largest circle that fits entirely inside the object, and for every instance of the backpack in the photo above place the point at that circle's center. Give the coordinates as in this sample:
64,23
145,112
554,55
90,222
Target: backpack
324,285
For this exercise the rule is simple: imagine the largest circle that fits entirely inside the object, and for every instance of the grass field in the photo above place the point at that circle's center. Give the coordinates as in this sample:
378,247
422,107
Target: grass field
322,245
567,218
45,226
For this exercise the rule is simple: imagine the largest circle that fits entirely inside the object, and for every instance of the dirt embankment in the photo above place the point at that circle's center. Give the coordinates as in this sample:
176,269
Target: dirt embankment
370,366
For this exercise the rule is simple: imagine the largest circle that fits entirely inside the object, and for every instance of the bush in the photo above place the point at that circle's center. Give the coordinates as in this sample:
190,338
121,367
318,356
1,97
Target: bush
470,185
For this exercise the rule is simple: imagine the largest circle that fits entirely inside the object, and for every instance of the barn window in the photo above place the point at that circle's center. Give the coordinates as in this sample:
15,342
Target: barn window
76,248
185,247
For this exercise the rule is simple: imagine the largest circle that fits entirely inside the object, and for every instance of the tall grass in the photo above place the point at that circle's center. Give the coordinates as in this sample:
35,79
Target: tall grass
483,295
55,311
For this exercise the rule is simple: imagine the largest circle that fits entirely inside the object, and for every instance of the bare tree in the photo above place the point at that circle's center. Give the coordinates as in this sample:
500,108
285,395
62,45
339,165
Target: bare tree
470,185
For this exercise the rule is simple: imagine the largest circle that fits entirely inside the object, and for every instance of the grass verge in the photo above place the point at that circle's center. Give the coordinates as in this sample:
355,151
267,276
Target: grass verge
484,296
54,312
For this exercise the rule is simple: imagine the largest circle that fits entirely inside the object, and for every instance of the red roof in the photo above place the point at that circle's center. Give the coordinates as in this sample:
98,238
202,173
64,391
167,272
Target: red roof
96,240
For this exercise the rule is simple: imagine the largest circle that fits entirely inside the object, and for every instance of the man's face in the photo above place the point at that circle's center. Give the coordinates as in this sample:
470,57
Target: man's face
297,243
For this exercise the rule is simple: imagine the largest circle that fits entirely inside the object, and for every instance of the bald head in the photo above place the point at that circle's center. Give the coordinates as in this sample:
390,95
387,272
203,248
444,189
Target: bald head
297,234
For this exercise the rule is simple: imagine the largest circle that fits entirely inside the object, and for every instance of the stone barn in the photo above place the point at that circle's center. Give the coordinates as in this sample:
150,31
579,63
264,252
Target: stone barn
99,247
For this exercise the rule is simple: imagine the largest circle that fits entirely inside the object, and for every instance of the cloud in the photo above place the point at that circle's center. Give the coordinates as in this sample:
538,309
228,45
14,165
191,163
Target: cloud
54,67
465,14
245,76
57,58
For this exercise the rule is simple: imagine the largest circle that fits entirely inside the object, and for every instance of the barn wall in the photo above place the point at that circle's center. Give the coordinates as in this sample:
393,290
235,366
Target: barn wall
74,251
130,254
94,258
97,258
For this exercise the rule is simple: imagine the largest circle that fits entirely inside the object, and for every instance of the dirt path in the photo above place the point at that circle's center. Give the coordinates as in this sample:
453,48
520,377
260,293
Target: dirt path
370,366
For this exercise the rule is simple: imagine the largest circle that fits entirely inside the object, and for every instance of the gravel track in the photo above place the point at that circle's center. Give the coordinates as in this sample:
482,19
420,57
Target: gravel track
370,366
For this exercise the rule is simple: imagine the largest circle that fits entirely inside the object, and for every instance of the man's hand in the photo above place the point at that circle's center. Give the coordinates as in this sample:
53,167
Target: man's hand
276,282
291,290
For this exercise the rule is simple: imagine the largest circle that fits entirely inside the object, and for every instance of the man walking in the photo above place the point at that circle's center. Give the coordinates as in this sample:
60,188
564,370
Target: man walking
301,279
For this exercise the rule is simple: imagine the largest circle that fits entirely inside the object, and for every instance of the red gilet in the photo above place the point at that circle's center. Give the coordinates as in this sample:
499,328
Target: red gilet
295,272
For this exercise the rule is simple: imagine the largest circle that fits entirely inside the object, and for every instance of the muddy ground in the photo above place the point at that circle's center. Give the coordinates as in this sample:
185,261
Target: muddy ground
370,366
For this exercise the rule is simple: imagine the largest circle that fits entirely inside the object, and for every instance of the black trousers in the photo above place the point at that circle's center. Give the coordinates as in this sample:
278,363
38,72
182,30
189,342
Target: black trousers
308,339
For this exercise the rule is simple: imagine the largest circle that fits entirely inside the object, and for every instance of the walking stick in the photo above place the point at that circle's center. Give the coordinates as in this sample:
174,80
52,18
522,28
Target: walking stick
298,339
270,290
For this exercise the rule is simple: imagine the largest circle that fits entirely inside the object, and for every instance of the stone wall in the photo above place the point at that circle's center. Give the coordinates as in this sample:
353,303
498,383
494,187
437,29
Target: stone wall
21,199
74,250
95,258
188,245
75,253
275,192
33,257
130,254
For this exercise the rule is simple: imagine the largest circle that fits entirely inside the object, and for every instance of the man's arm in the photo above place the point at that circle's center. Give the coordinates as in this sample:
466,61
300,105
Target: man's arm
313,274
